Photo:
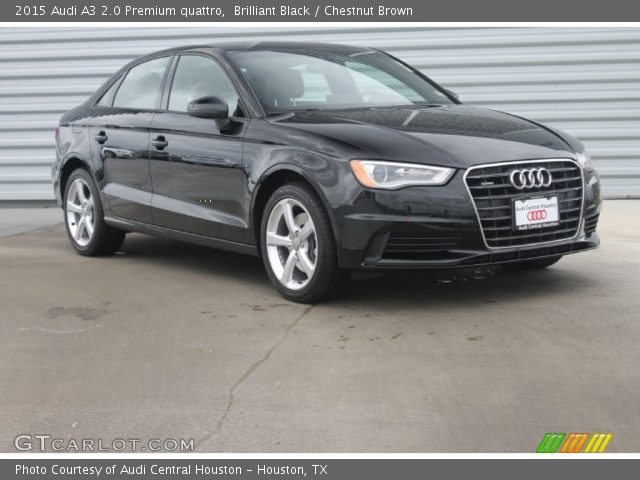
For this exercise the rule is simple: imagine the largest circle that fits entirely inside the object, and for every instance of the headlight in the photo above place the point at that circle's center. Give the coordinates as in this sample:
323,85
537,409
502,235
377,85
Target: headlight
390,175
584,159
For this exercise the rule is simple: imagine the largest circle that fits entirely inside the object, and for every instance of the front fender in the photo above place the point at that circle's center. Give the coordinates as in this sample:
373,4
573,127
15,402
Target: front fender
288,167
323,173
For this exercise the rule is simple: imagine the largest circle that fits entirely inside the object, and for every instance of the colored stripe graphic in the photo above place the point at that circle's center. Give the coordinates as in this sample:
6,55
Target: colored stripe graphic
550,443
574,443
598,443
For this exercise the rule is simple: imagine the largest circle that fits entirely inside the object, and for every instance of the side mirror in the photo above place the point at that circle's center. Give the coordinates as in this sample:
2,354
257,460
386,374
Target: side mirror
208,107
452,94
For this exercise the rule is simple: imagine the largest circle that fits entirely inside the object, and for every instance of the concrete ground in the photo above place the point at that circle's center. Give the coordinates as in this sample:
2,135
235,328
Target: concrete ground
25,219
170,340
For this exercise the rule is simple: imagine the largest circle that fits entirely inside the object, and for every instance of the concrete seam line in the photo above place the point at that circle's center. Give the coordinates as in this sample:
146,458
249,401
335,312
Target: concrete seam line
249,372
31,230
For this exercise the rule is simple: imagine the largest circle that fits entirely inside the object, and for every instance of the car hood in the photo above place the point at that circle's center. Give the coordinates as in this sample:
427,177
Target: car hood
456,135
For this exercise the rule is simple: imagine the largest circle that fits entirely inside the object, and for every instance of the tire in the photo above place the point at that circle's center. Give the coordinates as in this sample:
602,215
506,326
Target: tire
302,264
84,217
533,264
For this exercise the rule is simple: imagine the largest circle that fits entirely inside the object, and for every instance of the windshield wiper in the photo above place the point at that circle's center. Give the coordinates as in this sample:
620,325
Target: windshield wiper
414,106
293,110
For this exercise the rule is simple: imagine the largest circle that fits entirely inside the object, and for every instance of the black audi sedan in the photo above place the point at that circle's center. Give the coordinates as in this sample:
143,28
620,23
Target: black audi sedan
321,159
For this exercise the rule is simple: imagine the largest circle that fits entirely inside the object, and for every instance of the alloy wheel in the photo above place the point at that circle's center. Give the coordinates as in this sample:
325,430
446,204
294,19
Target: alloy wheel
80,212
292,244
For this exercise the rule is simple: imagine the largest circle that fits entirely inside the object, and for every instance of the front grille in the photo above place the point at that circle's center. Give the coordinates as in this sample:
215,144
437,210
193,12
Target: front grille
493,196
416,245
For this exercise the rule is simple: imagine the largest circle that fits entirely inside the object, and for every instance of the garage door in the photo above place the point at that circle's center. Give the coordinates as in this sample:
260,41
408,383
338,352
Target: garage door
582,80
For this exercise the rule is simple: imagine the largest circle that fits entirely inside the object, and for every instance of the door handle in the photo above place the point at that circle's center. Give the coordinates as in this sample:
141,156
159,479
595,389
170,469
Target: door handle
159,142
101,137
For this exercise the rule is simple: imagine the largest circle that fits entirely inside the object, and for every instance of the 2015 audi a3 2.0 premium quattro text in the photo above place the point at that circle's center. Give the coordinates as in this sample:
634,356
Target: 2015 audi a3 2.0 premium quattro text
321,159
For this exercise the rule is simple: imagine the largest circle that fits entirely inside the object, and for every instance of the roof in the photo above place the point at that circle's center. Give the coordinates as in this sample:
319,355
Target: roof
245,46
265,45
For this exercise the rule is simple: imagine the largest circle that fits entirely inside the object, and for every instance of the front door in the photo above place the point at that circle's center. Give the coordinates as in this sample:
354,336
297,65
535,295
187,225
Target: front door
196,163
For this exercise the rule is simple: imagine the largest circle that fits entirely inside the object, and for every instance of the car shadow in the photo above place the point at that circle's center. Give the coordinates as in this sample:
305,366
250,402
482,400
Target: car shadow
452,288
195,258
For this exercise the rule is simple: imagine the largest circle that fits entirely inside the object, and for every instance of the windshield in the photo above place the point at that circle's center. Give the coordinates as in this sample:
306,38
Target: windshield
303,79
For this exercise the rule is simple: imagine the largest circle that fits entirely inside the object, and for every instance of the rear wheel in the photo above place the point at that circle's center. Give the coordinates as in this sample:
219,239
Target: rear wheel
84,218
298,248
533,264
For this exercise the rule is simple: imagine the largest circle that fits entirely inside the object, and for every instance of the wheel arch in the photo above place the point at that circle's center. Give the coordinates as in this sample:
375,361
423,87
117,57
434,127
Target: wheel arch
273,179
70,164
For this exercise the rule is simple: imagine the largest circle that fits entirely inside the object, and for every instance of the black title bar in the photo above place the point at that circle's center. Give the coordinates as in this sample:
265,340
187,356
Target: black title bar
319,11
318,469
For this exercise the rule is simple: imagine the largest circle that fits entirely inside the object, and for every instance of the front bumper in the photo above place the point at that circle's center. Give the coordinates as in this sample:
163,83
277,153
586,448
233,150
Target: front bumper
466,258
437,228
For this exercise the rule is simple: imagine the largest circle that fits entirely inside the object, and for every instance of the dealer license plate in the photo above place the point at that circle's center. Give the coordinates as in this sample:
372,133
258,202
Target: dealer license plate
534,213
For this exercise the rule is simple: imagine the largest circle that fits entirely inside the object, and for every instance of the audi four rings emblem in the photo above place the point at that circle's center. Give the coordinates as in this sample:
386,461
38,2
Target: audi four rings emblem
536,215
530,178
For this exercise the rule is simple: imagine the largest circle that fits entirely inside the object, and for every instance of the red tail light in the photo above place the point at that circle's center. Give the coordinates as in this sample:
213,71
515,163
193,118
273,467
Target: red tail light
57,132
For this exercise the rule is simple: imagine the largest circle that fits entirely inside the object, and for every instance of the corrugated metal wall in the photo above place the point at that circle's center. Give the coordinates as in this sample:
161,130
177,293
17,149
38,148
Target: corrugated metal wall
583,80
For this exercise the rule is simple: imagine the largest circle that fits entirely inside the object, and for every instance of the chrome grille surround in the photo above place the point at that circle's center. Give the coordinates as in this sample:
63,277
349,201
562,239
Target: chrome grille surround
494,211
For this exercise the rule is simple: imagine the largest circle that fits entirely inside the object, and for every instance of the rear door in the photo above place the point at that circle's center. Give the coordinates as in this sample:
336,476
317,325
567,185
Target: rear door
120,139
196,163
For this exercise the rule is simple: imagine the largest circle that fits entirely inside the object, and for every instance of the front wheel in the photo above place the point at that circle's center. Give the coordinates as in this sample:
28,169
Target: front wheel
533,264
298,247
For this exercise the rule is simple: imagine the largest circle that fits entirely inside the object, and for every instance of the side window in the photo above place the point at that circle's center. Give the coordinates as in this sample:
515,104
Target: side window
141,88
107,97
197,77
